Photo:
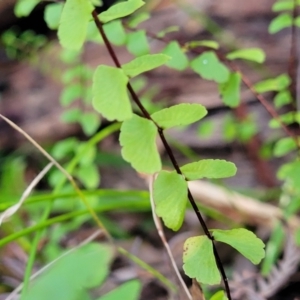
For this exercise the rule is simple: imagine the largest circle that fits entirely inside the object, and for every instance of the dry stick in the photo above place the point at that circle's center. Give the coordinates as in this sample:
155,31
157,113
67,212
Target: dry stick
161,234
168,150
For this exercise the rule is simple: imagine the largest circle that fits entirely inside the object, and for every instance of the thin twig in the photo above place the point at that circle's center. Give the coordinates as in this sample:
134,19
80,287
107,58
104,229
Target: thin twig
168,150
161,234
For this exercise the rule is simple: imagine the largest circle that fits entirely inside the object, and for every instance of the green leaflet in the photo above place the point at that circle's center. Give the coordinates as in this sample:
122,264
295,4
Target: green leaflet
273,249
178,115
73,25
144,63
282,98
230,90
90,122
208,66
284,146
71,115
204,43
71,93
167,30
170,197
278,83
137,19
290,172
253,54
208,168
137,43
287,119
115,32
120,10
131,289
110,93
220,295
64,147
23,8
280,22
52,14
178,60
88,175
199,260
283,5
206,128
73,274
138,141
244,241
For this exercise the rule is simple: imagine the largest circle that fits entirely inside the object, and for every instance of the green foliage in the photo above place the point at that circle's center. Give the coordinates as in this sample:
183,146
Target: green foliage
220,295
137,19
208,66
204,43
178,60
273,249
273,84
206,128
137,43
144,63
21,45
73,274
167,30
52,15
73,25
115,32
12,180
282,21
89,176
179,115
290,173
243,241
284,146
170,196
252,54
110,93
23,8
282,98
138,141
131,289
70,94
89,122
208,168
120,10
199,261
230,90
284,5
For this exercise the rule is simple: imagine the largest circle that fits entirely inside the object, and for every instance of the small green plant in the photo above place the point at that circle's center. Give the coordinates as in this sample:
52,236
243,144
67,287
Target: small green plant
110,91
138,134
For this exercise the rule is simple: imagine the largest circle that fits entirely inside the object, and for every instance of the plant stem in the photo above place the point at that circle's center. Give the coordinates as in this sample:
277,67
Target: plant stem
167,148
